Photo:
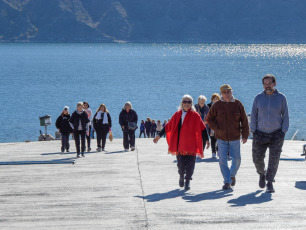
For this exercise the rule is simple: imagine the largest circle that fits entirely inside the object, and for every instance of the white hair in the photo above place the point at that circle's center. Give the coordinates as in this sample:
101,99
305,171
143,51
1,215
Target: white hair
186,96
202,97
129,103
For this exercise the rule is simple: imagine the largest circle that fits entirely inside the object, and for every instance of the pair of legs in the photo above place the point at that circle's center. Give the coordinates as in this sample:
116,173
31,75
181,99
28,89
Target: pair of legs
88,138
101,135
65,141
233,147
261,141
148,133
153,133
213,142
142,132
77,134
128,139
185,165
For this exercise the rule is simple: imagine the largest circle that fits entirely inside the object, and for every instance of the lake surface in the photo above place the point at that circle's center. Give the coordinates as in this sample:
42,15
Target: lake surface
40,79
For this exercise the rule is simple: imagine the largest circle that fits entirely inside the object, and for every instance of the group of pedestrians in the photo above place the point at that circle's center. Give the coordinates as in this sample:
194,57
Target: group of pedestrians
150,128
187,133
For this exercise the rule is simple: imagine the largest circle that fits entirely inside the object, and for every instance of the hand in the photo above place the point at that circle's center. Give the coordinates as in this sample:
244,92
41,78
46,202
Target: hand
58,130
87,133
244,140
123,127
156,139
207,144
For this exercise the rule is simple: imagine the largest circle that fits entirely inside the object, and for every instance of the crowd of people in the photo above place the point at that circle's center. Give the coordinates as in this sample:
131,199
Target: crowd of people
221,124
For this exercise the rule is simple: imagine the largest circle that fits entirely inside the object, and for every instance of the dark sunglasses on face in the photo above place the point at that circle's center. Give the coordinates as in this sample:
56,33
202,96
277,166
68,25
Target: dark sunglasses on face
186,102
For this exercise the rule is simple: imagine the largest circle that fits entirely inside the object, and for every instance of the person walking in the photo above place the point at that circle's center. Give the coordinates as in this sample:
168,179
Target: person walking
102,123
148,126
228,119
184,137
128,121
63,126
202,110
159,127
80,124
269,124
213,141
164,124
89,113
153,128
142,129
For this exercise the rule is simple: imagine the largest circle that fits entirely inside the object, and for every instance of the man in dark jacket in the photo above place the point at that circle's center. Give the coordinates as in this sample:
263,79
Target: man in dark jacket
228,119
148,126
63,126
128,121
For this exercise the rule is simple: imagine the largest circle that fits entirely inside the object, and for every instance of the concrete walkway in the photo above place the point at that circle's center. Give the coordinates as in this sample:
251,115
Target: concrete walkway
42,189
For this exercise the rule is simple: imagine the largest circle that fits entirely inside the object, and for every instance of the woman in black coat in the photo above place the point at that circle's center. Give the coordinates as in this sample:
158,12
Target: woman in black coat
63,126
102,122
128,121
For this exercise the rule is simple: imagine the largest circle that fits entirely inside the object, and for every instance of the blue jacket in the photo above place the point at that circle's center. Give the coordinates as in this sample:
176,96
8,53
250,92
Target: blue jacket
270,113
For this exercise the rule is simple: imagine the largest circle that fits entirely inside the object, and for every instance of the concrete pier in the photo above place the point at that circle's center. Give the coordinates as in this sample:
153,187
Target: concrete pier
41,188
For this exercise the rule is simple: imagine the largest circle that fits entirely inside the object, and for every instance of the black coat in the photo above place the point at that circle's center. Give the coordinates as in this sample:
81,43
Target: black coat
97,123
62,123
75,117
148,126
125,117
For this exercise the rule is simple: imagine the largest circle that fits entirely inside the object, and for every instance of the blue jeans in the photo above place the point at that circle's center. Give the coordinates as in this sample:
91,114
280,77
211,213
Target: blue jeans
233,147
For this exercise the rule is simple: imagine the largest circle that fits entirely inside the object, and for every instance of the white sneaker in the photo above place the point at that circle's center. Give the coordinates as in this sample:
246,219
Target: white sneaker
126,150
214,155
132,148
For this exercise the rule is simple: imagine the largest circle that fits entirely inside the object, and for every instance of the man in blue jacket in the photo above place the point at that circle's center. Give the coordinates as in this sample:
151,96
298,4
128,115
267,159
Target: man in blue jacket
269,123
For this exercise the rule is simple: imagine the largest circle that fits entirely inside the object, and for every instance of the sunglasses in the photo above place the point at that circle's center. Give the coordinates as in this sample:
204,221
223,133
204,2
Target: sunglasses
186,102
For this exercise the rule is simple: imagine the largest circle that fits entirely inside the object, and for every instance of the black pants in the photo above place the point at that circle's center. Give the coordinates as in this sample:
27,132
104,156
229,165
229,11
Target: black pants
101,135
148,132
77,134
213,142
204,141
185,165
65,141
142,132
88,137
153,133
128,139
261,141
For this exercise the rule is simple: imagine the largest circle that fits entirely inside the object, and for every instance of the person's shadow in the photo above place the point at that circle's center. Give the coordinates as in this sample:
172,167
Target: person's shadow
251,198
218,194
300,185
163,196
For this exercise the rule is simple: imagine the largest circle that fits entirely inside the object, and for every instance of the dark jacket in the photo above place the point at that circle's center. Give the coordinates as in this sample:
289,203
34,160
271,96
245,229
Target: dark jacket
202,111
142,127
62,123
228,120
75,117
148,126
125,117
153,127
97,123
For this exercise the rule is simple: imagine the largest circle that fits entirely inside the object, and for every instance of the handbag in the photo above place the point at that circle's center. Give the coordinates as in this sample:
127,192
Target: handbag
132,126
110,135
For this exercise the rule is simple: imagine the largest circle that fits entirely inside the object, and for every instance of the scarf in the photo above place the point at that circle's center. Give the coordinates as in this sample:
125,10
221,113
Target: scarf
190,142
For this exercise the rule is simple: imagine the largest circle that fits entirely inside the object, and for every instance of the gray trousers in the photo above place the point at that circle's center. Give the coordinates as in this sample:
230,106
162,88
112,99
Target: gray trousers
261,141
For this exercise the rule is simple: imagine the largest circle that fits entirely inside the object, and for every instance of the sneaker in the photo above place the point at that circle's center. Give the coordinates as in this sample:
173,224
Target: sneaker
187,184
88,149
226,186
82,153
132,148
99,149
214,155
233,181
103,150
181,181
67,150
270,188
62,150
78,155
262,181
126,150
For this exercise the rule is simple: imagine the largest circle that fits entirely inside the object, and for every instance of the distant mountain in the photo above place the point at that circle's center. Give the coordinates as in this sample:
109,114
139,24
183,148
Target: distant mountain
245,21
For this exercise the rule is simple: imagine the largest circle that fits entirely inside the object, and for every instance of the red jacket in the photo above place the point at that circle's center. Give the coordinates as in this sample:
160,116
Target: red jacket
190,142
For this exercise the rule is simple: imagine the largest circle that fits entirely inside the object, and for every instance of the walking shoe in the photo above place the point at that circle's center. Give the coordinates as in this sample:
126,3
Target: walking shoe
233,181
262,180
181,181
214,155
270,188
88,149
78,155
103,150
132,148
82,153
99,149
62,150
126,150
226,186
187,184
67,150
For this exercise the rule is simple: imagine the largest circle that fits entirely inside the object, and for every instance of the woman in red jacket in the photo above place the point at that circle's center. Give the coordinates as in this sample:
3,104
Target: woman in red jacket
184,136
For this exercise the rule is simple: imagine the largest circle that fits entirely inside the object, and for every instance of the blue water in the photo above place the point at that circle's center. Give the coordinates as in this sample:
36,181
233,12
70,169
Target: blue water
39,79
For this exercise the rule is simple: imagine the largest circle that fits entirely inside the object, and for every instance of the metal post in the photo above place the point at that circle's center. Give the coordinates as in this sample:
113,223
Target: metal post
46,130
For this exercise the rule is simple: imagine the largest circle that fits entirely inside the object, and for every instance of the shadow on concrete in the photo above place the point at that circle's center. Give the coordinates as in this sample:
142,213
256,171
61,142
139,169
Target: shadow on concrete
292,159
207,160
214,195
121,151
58,161
163,196
300,185
70,153
251,198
